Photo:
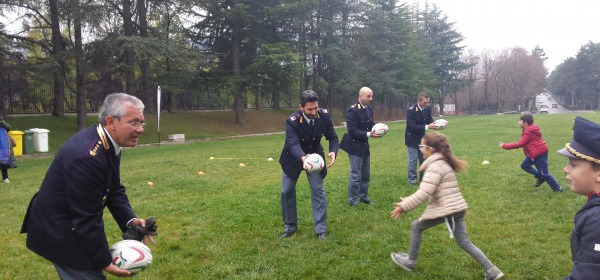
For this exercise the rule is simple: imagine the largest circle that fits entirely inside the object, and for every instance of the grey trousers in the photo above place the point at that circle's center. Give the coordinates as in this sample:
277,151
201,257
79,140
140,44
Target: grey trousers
358,183
413,155
67,273
456,222
318,200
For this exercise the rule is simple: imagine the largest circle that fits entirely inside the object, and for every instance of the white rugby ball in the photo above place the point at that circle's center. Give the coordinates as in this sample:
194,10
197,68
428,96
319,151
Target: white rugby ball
314,163
441,123
380,129
131,255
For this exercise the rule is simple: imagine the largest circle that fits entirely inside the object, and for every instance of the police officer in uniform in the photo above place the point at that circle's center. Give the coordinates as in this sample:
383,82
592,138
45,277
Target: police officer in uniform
359,120
64,221
303,132
418,120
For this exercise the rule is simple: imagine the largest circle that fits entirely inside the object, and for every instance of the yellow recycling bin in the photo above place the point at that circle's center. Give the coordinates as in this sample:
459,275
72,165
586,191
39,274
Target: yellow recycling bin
18,136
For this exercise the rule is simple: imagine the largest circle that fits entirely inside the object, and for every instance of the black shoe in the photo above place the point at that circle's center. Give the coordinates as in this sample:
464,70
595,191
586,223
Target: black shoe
366,200
539,182
560,189
321,236
287,234
352,203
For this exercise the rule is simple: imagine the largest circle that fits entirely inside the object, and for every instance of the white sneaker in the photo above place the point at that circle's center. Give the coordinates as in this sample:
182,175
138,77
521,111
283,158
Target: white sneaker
6,180
401,259
493,274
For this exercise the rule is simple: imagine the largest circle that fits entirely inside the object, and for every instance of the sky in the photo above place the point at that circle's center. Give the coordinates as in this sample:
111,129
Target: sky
560,27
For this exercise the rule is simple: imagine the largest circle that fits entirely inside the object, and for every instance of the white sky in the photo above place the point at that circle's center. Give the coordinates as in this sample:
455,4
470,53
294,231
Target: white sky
560,27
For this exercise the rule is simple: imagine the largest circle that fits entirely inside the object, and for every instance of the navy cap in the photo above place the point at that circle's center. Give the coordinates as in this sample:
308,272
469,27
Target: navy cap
585,143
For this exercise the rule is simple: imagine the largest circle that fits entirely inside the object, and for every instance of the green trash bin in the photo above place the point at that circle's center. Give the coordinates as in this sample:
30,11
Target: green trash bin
28,142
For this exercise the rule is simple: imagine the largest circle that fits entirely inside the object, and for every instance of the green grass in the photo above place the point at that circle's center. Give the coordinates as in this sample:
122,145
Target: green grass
225,223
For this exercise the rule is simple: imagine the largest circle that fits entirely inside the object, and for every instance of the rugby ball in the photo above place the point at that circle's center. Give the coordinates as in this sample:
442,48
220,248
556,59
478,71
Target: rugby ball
441,123
314,163
379,129
131,255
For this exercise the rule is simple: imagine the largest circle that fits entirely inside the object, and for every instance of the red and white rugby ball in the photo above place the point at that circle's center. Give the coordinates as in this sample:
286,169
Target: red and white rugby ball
314,163
441,123
380,129
131,255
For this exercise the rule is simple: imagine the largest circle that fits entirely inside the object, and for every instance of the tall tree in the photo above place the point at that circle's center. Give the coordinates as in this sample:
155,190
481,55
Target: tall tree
58,108
444,45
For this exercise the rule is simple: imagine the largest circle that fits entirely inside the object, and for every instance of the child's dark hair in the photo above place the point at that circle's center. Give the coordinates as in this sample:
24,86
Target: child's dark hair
528,118
596,166
439,143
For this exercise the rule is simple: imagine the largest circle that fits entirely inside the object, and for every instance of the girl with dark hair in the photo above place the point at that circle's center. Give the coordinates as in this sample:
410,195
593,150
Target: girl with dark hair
446,204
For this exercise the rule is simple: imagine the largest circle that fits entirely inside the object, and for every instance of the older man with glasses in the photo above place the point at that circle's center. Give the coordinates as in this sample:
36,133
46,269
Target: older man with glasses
64,222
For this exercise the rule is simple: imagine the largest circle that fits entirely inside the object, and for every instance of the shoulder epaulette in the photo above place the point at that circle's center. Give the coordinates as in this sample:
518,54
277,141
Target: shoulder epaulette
102,142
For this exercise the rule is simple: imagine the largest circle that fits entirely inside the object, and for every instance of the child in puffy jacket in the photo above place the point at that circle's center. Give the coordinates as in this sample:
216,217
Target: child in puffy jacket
536,153
446,204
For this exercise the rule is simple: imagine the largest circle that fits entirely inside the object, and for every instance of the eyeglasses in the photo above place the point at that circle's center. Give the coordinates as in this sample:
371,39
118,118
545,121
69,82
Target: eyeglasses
135,124
423,146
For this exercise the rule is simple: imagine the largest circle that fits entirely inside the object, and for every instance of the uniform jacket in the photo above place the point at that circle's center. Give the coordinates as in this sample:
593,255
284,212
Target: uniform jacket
64,220
531,141
359,120
440,187
585,241
416,119
301,139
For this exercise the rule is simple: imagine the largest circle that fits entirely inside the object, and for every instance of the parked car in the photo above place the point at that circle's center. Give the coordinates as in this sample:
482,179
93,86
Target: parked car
544,109
554,105
549,97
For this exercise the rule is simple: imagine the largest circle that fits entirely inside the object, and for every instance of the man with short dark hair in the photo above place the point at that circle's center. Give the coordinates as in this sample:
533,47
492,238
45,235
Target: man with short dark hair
418,120
303,132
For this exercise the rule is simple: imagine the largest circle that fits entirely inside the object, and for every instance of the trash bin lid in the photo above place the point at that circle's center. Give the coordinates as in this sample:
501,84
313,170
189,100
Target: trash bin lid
16,132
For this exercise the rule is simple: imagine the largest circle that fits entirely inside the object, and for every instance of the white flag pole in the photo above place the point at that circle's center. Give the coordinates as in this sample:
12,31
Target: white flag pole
158,112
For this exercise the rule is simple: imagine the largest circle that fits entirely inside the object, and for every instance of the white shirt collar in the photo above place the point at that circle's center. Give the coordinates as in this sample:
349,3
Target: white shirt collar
307,118
117,147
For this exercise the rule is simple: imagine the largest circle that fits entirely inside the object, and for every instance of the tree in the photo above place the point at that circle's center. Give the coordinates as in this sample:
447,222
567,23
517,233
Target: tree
443,43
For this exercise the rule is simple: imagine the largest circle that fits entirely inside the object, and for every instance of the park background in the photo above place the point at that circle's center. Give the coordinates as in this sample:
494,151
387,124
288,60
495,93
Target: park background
224,224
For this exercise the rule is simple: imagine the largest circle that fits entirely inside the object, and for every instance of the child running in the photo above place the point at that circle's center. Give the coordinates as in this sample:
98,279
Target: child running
536,153
446,204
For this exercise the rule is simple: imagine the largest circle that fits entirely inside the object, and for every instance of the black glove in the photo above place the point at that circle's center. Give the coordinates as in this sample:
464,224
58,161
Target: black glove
138,232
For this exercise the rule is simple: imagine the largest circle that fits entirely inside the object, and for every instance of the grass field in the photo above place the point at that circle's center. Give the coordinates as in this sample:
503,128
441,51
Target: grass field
225,223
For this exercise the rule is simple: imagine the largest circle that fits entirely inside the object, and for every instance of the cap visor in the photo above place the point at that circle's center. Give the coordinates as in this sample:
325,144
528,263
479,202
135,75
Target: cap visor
566,153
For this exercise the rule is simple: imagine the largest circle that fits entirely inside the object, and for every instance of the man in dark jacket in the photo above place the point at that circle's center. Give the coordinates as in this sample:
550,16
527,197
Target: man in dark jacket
359,120
418,120
583,174
303,132
64,221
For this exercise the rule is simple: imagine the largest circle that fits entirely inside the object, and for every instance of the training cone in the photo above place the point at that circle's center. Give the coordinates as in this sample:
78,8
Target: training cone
242,164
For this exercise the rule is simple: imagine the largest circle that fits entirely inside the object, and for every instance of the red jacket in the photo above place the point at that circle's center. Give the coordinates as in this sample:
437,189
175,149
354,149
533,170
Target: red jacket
531,141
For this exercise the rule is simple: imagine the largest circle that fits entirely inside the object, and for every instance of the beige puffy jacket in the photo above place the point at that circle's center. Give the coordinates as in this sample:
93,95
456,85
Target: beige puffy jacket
440,187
